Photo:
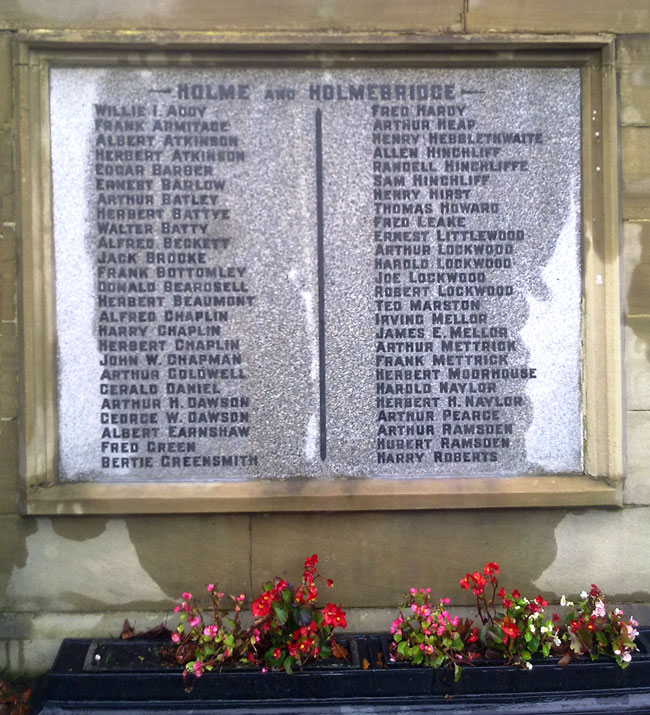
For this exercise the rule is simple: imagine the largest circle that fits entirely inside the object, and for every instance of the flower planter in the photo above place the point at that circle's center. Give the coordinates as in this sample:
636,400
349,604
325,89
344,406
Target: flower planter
127,676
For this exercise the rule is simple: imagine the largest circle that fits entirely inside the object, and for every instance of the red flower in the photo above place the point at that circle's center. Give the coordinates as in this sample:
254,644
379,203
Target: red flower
311,562
510,628
334,616
490,568
261,606
473,637
479,583
329,583
464,582
516,594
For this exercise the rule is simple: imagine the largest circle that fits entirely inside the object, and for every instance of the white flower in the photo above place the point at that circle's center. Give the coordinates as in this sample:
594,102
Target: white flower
556,641
564,602
535,615
529,666
576,645
583,594
531,628
543,629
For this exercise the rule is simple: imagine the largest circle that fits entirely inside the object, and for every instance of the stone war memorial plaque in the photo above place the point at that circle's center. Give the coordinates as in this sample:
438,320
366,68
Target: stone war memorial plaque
272,273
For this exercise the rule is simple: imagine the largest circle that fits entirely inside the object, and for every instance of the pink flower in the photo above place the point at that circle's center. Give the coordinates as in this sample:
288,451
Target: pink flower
445,601
599,609
187,595
177,609
176,638
194,621
210,587
197,667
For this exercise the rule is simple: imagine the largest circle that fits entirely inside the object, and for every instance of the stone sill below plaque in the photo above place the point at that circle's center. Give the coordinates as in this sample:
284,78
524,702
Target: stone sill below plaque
319,495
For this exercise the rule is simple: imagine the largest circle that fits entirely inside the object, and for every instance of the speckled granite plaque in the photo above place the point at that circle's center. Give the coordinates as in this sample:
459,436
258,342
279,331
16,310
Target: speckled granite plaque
272,273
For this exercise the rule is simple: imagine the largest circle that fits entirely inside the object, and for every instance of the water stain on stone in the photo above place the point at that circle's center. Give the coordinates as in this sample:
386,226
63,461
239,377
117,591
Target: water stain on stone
13,546
79,528
183,553
375,557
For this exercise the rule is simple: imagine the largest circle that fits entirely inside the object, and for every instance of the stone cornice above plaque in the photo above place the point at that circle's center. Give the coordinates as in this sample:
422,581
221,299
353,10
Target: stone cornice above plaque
420,251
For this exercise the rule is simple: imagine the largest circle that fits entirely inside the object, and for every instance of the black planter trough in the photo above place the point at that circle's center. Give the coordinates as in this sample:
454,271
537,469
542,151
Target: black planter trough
127,676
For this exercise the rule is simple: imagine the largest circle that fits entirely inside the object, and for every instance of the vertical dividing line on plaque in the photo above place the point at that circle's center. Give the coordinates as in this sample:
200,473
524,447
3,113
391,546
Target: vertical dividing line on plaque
321,283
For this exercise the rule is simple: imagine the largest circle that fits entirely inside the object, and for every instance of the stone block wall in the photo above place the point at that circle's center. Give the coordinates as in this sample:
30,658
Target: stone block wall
77,576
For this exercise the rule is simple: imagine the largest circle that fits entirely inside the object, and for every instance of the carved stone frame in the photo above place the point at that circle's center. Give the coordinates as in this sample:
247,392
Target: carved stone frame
601,482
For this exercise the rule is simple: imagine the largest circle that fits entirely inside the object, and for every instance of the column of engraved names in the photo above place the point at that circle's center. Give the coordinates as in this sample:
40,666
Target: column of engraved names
205,381
127,294
186,354
404,339
480,354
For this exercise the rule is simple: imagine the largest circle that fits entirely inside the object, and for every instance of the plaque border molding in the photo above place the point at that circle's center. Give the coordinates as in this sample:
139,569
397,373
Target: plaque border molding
601,483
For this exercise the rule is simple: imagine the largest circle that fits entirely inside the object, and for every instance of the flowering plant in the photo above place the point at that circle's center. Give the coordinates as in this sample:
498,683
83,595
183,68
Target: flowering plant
589,629
288,628
202,646
428,635
518,631
512,627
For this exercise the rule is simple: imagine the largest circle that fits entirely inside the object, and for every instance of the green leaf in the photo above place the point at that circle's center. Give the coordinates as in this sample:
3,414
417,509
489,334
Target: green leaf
458,671
546,649
458,644
533,644
418,657
525,655
403,648
397,637
527,636
438,661
288,662
280,614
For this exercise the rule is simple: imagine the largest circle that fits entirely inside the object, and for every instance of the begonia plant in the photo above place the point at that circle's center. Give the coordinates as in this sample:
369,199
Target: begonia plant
514,630
590,629
425,634
288,630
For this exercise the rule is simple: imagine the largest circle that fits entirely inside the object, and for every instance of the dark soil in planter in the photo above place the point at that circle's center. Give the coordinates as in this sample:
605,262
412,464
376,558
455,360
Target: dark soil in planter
127,676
